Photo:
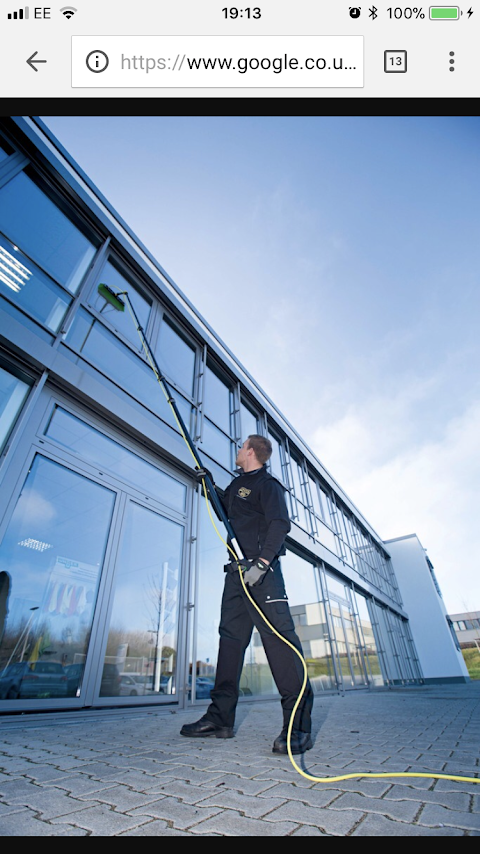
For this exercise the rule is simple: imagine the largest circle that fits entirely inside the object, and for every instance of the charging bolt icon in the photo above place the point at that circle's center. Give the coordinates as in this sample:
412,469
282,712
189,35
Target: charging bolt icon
97,61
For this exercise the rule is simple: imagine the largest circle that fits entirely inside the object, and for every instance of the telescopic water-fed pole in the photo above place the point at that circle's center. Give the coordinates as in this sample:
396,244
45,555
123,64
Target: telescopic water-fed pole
116,301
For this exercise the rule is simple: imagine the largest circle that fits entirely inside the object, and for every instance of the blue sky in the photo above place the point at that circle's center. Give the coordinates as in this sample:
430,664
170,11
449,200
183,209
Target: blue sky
353,244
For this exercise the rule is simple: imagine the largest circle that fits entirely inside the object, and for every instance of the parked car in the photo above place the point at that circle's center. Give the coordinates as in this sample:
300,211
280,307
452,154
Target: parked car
203,688
74,674
130,686
9,685
144,680
43,679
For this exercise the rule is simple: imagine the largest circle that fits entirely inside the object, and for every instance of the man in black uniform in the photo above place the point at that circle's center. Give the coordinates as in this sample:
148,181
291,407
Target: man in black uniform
255,505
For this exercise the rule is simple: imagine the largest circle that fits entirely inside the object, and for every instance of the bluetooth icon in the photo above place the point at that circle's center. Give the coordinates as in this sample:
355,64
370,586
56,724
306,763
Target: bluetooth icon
373,13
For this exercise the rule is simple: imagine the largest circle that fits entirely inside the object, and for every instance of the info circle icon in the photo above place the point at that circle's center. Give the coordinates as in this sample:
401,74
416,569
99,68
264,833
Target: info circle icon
97,61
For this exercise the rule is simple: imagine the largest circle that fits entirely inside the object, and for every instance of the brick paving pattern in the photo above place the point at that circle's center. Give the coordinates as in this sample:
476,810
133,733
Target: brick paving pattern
129,773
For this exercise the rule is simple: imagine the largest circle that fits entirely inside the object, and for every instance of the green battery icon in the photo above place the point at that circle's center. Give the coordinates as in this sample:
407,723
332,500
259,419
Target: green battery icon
444,13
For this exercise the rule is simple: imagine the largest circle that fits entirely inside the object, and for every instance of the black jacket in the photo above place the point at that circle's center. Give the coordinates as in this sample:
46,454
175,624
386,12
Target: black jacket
255,505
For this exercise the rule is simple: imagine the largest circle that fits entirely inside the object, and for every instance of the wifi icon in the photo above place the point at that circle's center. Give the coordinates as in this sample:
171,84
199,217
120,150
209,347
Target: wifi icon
68,11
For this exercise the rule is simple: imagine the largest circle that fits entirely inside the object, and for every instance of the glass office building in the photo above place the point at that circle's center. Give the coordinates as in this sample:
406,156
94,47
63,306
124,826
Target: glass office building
111,572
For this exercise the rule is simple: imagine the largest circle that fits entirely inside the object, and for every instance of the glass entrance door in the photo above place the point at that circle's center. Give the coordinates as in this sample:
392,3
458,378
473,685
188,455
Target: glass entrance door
51,559
142,646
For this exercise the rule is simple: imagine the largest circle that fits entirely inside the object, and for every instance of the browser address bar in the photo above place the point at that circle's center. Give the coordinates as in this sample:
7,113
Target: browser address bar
217,61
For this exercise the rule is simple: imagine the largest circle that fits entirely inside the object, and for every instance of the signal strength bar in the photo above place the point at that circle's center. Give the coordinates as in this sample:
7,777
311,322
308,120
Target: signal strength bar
20,15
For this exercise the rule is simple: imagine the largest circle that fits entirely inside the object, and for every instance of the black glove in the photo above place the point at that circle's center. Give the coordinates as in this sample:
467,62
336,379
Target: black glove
253,571
201,473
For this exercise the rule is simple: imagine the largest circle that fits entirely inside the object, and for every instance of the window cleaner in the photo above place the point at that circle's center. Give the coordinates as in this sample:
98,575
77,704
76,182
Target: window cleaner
114,298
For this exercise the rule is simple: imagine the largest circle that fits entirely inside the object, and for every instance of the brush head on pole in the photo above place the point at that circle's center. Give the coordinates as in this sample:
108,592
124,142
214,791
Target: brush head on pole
111,297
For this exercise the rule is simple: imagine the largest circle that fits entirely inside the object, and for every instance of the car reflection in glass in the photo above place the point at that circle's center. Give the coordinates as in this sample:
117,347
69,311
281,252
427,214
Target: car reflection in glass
41,680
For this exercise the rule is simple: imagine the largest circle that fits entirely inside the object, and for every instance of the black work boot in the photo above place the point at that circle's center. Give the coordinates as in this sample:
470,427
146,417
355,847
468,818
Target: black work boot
204,728
299,742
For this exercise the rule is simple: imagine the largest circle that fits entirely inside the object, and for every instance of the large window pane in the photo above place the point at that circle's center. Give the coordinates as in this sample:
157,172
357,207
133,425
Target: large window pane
22,282
36,225
325,536
355,657
176,357
375,671
13,393
249,423
336,587
276,466
51,559
217,445
142,640
122,320
217,400
93,447
315,498
298,478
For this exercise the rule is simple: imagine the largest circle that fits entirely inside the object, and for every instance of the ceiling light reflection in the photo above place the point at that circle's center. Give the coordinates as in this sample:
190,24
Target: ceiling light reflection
37,545
12,273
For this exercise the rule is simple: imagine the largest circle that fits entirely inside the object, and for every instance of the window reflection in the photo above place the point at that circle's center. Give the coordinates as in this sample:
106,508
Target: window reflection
276,459
308,613
36,225
299,491
176,357
22,282
249,423
52,553
212,555
142,639
122,321
370,644
94,447
217,445
13,393
217,400
218,440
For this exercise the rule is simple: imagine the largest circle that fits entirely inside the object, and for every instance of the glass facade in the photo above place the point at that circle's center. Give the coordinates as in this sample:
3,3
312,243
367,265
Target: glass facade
111,570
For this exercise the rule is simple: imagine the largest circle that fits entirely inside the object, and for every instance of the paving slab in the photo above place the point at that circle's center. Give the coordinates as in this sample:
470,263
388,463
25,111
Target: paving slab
128,772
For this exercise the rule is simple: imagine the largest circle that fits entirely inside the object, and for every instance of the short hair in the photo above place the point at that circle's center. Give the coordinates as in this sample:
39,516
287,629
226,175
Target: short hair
262,447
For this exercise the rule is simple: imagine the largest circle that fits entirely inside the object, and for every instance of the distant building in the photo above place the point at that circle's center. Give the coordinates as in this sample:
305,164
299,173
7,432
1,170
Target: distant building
467,628
111,573
430,624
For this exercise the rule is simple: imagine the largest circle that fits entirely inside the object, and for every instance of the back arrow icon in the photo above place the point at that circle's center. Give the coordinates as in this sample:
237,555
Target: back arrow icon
31,60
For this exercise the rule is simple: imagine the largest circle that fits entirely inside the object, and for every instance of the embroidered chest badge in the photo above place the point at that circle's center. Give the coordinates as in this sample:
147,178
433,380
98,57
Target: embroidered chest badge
243,492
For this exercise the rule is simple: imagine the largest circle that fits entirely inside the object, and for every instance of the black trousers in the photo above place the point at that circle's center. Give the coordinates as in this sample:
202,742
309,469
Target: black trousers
238,617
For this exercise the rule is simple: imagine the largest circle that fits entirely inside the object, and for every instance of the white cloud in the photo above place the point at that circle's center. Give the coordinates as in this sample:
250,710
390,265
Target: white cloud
430,488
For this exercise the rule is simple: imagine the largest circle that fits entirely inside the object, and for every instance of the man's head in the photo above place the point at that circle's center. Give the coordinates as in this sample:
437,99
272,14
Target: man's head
254,453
